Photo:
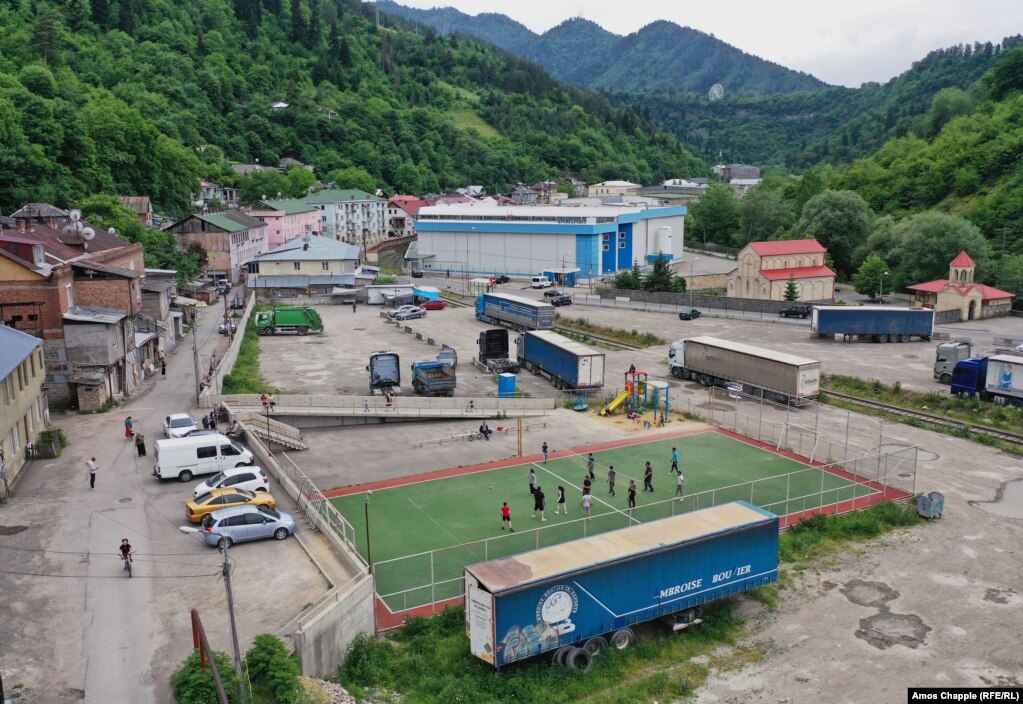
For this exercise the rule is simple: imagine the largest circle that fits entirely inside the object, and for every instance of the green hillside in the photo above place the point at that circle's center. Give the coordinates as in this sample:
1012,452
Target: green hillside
145,96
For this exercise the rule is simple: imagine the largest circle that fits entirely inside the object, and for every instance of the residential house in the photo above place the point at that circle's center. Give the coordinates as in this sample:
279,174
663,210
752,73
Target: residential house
676,191
158,289
524,195
24,411
401,215
765,269
354,216
741,186
454,200
308,265
286,219
729,171
230,239
612,188
41,214
958,297
287,162
142,207
212,193
244,169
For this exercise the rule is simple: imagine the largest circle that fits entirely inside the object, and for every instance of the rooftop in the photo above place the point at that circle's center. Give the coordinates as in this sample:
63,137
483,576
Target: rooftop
15,346
780,247
337,195
310,248
802,272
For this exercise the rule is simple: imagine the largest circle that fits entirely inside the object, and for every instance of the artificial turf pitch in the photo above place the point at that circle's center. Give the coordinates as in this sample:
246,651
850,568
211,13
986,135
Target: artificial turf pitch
459,515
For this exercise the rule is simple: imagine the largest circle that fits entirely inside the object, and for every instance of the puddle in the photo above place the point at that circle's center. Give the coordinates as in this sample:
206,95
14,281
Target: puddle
885,629
875,594
1008,500
12,530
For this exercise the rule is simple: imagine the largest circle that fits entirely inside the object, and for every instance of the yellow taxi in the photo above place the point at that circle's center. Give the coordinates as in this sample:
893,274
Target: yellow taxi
216,499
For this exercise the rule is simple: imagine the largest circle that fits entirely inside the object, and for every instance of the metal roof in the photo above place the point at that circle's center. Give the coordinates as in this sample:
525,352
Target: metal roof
310,248
89,314
303,281
15,346
339,195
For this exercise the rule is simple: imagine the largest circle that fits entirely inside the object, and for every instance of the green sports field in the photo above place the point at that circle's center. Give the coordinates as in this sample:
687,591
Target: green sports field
438,526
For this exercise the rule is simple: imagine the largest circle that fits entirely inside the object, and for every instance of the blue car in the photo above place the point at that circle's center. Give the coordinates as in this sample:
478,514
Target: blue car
237,524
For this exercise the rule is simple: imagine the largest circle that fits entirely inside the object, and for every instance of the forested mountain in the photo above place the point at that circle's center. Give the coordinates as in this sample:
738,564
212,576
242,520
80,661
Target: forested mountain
835,125
141,97
660,56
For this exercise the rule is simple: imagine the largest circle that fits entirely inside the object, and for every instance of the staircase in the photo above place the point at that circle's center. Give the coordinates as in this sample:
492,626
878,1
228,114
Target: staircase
272,430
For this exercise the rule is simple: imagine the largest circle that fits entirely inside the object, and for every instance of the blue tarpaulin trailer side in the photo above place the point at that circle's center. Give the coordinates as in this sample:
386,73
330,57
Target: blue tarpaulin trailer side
522,606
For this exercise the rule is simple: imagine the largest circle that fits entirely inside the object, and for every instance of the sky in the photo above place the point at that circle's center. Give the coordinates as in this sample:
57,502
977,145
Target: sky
842,43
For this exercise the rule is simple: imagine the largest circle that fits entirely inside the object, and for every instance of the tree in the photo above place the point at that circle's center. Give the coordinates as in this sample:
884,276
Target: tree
629,279
869,278
791,292
716,215
298,181
352,177
763,213
661,278
810,185
840,221
930,241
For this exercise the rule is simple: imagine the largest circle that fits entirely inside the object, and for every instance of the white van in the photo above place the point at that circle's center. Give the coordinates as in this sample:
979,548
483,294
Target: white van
540,281
194,455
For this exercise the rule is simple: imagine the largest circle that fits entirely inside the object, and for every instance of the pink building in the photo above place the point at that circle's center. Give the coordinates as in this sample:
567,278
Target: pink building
286,219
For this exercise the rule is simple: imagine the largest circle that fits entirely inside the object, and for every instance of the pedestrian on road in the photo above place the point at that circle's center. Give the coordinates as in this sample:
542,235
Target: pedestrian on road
140,444
163,367
587,484
680,485
674,461
611,476
632,493
586,504
127,428
354,303
506,517
539,504
561,501
648,477
213,420
531,475
91,464
589,466
544,448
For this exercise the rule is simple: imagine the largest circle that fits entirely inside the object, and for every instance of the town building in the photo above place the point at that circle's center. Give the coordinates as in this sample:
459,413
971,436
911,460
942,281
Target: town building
729,171
230,239
212,194
286,219
307,266
354,216
141,206
401,215
486,238
958,297
24,412
741,186
765,269
612,188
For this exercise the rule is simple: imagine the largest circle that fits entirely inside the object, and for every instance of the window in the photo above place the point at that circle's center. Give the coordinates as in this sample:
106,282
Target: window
206,452
621,235
297,266
607,248
227,450
325,266
254,519
70,296
607,236
621,245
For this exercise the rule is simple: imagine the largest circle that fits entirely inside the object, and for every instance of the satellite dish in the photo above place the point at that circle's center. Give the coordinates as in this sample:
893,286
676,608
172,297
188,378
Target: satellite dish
88,233
716,92
75,215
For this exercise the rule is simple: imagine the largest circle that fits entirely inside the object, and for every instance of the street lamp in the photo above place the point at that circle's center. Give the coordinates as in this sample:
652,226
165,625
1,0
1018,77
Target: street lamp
880,288
268,405
369,550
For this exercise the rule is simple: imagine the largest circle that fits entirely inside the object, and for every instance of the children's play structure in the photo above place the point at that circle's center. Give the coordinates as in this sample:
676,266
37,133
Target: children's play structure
641,395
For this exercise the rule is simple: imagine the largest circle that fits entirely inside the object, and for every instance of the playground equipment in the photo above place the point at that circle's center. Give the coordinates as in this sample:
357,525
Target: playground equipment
641,394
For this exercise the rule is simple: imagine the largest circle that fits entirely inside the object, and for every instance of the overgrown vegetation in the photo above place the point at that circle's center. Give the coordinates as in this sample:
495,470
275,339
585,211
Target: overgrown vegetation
816,536
273,673
630,337
245,378
194,685
51,438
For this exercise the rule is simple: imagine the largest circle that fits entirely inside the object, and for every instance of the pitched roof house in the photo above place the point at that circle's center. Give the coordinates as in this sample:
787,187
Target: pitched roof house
765,269
958,297
230,239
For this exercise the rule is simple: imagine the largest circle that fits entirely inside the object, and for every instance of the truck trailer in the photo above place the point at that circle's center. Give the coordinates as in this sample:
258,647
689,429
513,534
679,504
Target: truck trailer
567,363
514,312
998,379
493,352
434,377
780,377
297,320
875,323
384,374
578,597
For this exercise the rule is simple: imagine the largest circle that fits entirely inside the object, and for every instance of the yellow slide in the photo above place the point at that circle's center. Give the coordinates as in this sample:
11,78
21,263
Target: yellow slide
619,400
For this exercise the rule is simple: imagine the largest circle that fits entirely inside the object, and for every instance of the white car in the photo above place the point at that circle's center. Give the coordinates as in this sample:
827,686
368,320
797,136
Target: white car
1019,348
401,310
178,425
250,478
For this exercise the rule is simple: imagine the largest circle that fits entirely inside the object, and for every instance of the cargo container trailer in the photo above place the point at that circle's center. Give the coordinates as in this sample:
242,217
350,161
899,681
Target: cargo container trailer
875,323
514,312
567,363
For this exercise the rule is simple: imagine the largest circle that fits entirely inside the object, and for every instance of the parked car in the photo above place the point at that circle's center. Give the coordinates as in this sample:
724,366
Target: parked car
201,431
799,310
252,479
417,273
502,279
227,326
178,425
238,302
1019,348
691,314
433,304
400,310
410,313
553,292
199,506
223,286
235,525
562,300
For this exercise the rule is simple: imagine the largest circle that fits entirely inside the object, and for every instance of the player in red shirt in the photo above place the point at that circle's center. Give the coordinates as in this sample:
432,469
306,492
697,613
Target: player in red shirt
506,517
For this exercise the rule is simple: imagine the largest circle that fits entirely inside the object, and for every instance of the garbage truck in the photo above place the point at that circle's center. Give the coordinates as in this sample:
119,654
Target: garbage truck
297,320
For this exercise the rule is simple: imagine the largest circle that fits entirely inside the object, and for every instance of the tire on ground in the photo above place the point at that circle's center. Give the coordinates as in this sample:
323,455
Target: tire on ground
561,653
579,659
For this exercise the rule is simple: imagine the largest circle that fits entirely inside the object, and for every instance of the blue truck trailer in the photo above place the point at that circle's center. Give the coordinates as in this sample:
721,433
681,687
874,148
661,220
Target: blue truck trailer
514,312
567,363
576,598
997,379
875,323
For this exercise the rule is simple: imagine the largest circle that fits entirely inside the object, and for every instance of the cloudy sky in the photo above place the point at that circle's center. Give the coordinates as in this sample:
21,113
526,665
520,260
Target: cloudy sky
844,43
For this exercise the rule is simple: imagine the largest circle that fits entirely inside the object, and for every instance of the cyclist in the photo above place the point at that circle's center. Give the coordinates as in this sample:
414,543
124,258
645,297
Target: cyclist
126,550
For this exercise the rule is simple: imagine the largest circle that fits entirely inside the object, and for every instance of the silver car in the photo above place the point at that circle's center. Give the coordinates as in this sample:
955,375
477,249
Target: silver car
240,523
410,313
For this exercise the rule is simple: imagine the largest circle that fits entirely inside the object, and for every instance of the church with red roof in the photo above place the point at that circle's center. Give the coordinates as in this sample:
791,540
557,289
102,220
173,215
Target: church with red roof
959,294
765,269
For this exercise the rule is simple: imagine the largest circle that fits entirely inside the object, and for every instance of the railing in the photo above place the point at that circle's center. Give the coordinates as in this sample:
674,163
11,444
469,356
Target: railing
305,405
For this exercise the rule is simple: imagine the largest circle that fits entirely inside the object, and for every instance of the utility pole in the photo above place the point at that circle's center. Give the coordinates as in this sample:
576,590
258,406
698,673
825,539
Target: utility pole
195,363
242,689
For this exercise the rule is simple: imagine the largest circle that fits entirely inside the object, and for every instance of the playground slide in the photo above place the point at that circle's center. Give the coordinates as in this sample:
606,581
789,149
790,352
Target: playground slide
619,400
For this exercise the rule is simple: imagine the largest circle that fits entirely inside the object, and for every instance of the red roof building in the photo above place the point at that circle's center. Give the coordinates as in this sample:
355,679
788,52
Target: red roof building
765,269
401,214
958,298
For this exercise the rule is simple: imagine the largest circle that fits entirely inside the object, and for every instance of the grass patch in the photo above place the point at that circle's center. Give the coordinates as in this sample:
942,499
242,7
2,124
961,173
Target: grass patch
470,120
245,378
582,326
820,535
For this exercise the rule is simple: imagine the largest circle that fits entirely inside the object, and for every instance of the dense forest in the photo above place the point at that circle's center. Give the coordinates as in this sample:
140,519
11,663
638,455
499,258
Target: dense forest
142,97
659,56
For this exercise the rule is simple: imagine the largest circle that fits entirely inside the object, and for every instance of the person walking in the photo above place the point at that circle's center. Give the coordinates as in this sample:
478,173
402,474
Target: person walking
544,448
140,444
587,484
163,366
674,461
213,420
586,504
611,476
531,475
632,493
205,422
648,477
589,467
127,428
506,517
561,501
354,305
680,485
539,504
92,467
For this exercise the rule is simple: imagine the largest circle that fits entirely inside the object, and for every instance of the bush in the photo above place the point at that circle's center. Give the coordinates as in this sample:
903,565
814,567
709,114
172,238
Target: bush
194,685
272,671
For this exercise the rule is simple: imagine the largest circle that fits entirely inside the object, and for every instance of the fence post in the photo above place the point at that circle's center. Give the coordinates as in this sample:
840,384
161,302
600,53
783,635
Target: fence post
433,587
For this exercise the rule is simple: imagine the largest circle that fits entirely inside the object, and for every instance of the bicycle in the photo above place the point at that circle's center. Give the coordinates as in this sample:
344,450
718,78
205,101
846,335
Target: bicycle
127,564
